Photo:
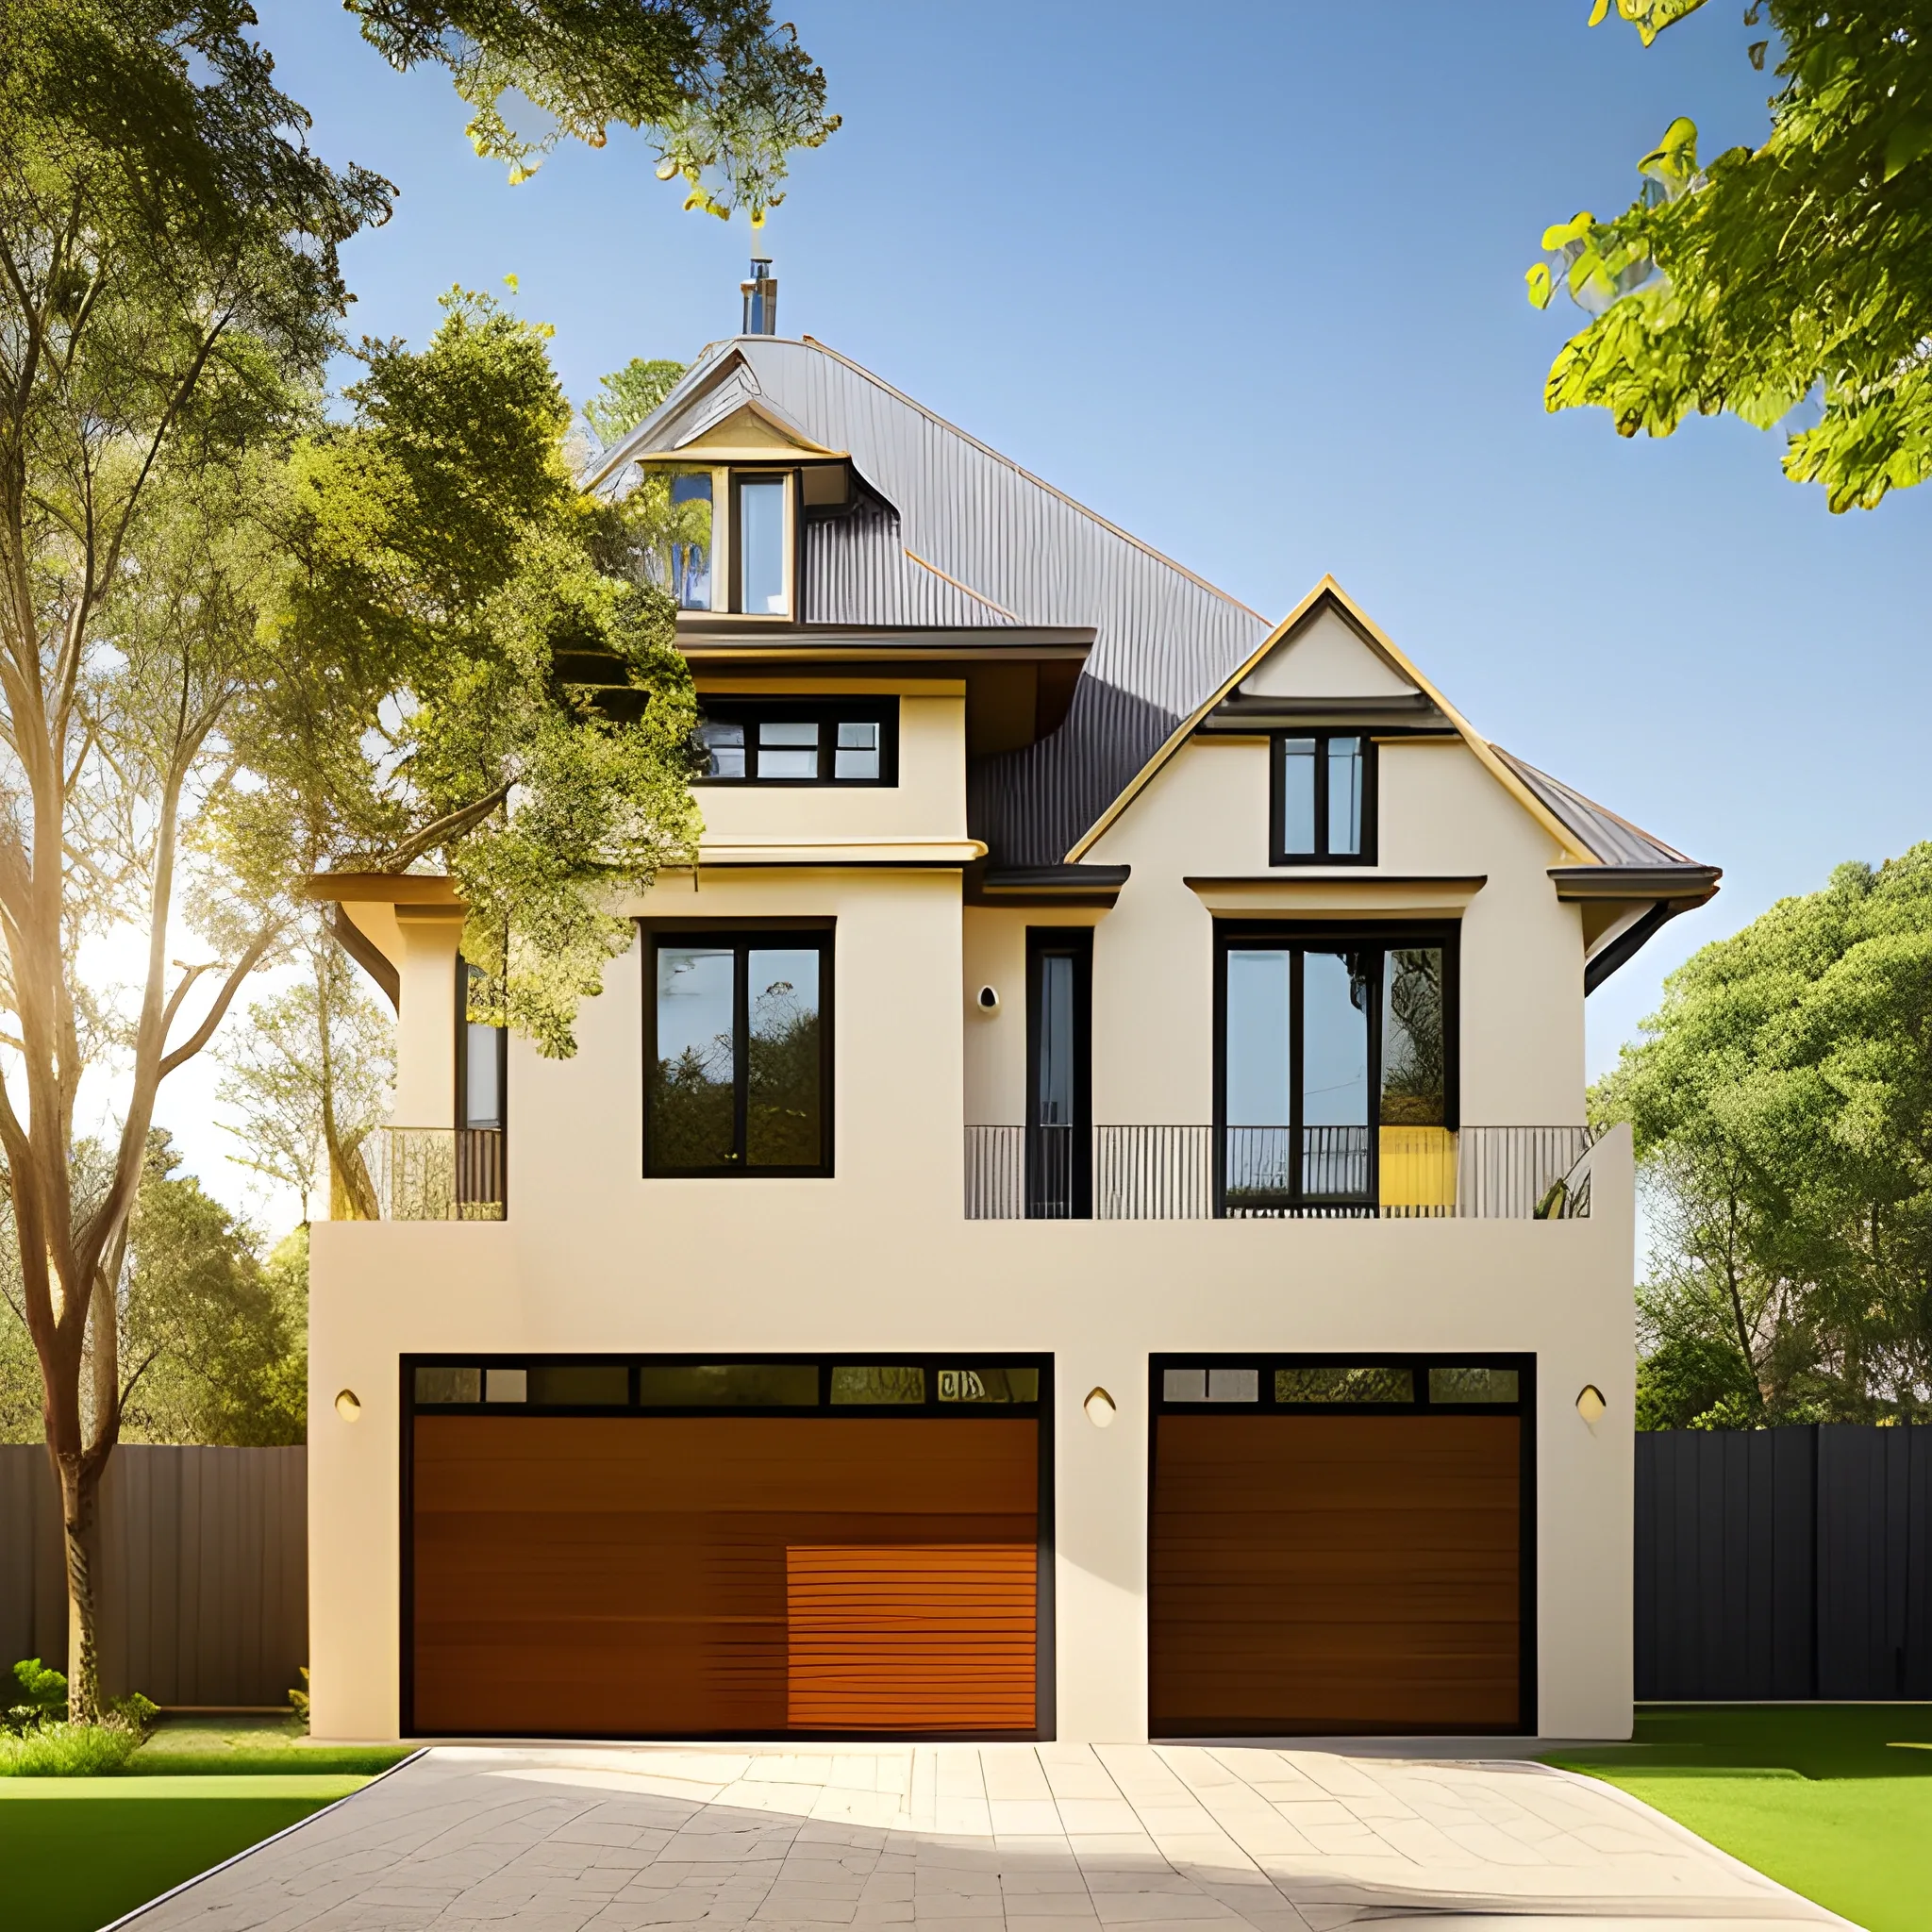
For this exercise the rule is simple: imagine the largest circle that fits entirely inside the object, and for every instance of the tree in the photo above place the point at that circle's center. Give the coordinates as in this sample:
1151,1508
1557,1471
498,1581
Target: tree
209,1342
472,668
1798,270
216,1339
1782,1109
169,293
628,396
310,1074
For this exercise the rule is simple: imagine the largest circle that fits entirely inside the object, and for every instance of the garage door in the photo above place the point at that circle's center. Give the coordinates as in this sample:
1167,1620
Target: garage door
661,1548
1339,1547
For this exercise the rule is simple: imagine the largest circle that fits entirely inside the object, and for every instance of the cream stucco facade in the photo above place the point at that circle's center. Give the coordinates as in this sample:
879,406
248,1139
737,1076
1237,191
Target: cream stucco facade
1053,733
594,1257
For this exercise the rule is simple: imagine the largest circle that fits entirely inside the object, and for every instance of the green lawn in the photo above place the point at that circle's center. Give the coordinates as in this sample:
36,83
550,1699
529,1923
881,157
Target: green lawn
1833,1800
79,1851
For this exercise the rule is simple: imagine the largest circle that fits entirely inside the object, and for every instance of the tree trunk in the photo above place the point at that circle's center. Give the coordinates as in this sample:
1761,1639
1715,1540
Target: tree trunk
80,1486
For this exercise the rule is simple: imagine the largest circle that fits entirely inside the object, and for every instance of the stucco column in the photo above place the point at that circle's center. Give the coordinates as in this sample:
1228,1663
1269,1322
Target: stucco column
427,1034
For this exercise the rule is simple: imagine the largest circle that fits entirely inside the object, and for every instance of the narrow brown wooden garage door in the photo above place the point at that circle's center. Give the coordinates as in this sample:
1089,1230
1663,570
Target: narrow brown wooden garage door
862,1567
1333,1552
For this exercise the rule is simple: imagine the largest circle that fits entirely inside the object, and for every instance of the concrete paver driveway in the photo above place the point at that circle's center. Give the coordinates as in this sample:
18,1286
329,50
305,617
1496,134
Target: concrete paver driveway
1005,1837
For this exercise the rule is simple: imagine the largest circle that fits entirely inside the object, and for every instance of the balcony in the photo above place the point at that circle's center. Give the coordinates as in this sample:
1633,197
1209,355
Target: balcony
435,1173
1251,1174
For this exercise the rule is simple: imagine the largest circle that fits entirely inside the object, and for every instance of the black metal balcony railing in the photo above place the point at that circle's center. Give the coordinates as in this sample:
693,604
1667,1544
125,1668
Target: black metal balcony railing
436,1173
1201,1172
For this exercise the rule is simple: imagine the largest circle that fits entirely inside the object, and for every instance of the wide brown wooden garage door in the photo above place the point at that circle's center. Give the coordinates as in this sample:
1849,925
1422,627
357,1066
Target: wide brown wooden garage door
864,1567
1335,1552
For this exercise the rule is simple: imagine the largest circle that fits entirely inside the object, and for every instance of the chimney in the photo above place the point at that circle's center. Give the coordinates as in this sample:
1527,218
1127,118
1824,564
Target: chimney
760,299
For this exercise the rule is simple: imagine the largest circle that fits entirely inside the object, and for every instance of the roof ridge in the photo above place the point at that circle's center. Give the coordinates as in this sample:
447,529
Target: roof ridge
1615,817
1072,503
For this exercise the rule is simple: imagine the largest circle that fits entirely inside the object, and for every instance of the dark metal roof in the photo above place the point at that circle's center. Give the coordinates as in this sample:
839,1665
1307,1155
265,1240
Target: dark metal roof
980,542
948,534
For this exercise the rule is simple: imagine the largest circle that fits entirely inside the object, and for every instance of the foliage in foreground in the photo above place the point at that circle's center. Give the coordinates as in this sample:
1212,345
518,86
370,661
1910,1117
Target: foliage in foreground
36,1739
1782,1110
170,295
1802,269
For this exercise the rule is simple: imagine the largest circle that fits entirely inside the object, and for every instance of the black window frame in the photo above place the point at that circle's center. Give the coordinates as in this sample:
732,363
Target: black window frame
1525,1408
1278,852
1303,935
501,1122
744,936
1060,1187
794,561
868,708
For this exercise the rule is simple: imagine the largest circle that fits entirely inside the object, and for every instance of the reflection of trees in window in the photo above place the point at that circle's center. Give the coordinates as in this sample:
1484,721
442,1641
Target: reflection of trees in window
782,1076
1414,1070
691,1106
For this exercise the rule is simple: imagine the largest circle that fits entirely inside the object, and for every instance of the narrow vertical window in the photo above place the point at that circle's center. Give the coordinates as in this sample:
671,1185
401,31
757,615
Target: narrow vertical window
1335,1163
1258,1032
761,545
1415,1059
690,539
1298,794
1323,799
784,1114
1059,1062
480,1068
1344,797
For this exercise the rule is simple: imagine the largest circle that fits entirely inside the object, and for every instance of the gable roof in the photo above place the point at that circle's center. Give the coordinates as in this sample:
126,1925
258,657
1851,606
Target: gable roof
952,535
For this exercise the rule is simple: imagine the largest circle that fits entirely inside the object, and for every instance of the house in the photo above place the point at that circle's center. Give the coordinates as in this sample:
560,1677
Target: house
1077,1221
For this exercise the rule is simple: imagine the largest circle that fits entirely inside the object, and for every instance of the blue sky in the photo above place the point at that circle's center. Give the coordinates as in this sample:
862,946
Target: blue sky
1248,280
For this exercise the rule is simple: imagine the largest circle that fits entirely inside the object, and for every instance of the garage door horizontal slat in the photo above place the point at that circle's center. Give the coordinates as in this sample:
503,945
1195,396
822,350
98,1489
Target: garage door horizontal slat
642,1575
1335,1574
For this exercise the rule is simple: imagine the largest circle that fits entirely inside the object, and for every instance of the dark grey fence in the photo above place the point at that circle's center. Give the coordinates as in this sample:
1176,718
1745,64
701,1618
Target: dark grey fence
1784,1564
203,1573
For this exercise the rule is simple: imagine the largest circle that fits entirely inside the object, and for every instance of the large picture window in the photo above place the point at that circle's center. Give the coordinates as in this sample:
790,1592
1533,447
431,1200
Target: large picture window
738,1052
1335,1059
1323,792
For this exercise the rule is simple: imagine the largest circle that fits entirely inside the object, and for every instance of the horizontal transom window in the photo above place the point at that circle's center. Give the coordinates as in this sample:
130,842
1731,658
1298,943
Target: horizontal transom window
793,741
948,1385
1295,1385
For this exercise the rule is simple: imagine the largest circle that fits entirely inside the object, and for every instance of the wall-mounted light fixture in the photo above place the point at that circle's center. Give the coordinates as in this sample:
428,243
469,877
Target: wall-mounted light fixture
349,1406
989,999
1591,1402
1100,1409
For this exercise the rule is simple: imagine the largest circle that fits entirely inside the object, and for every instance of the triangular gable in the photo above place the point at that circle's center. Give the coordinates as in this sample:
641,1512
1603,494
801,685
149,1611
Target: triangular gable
1326,657
751,425
1329,599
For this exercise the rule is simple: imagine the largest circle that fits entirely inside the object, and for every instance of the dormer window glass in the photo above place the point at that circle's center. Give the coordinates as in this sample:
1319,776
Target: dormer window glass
763,546
1324,799
691,542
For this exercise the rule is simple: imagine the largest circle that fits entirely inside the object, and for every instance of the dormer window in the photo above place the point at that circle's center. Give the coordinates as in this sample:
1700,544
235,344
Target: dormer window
691,543
1323,799
764,545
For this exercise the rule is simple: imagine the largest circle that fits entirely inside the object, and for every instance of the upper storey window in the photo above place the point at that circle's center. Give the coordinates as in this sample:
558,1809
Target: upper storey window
764,547
1323,799
800,741
690,539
